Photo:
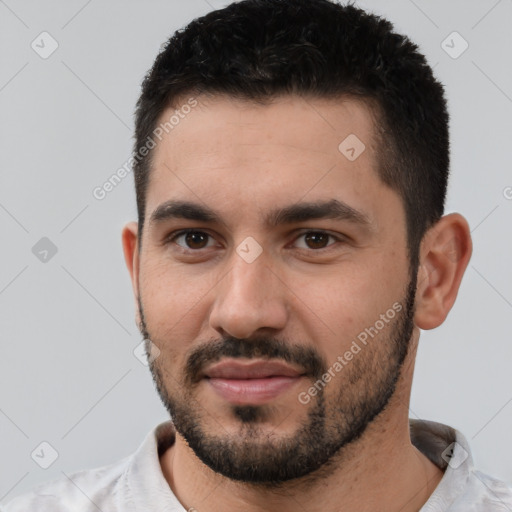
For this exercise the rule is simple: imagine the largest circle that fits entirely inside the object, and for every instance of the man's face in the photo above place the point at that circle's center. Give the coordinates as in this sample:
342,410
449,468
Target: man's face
282,329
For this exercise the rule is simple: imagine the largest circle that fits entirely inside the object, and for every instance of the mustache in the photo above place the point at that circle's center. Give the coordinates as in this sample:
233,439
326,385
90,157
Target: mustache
208,353
307,358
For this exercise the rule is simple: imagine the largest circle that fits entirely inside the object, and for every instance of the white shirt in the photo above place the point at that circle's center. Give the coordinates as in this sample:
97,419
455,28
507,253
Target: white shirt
137,484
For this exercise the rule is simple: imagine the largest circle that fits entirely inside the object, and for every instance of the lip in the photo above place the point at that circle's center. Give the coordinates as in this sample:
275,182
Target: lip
254,382
260,369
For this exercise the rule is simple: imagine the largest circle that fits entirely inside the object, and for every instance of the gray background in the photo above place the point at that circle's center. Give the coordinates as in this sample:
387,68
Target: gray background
68,373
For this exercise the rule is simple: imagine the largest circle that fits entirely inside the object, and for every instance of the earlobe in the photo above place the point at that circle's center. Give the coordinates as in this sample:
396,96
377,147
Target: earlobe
131,257
444,255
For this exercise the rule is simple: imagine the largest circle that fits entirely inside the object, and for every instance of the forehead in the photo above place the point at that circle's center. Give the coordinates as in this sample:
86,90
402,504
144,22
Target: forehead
226,152
225,126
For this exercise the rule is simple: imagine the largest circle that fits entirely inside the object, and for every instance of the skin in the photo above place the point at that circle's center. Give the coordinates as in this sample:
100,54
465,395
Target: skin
242,160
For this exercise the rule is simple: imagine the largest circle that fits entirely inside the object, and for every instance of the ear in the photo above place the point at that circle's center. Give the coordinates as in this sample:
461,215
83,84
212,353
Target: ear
444,255
131,257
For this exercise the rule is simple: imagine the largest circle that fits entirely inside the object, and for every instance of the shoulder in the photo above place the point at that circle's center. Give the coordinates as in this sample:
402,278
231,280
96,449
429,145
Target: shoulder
478,493
462,488
81,491
485,493
111,488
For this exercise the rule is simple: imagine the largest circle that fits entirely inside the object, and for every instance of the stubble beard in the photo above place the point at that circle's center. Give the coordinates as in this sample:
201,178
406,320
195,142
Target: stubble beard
255,454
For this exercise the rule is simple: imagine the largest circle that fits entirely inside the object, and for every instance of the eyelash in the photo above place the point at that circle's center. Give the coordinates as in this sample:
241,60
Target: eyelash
175,235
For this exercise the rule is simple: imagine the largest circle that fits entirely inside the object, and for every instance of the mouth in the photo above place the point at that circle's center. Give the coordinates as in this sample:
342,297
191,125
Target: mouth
251,382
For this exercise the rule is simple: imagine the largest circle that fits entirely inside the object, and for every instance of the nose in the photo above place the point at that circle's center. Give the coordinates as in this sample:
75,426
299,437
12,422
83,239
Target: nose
250,297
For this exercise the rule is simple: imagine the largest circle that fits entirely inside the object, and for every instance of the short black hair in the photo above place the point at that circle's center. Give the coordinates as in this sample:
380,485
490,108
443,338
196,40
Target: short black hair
260,49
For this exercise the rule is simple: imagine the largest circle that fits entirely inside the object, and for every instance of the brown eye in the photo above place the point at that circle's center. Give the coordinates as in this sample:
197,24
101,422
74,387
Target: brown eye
196,240
193,240
316,240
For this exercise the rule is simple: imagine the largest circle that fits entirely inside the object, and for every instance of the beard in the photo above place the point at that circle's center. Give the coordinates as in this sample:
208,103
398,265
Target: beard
257,455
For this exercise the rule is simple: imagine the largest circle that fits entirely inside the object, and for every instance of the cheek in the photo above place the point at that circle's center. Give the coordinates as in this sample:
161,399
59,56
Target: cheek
350,301
174,305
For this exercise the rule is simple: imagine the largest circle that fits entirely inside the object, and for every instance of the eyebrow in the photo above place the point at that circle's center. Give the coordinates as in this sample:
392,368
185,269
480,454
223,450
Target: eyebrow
294,213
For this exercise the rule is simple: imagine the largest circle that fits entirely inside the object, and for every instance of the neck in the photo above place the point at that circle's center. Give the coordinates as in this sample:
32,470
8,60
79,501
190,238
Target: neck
381,470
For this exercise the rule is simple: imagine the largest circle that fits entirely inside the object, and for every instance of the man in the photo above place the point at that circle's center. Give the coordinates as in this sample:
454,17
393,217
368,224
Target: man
291,165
